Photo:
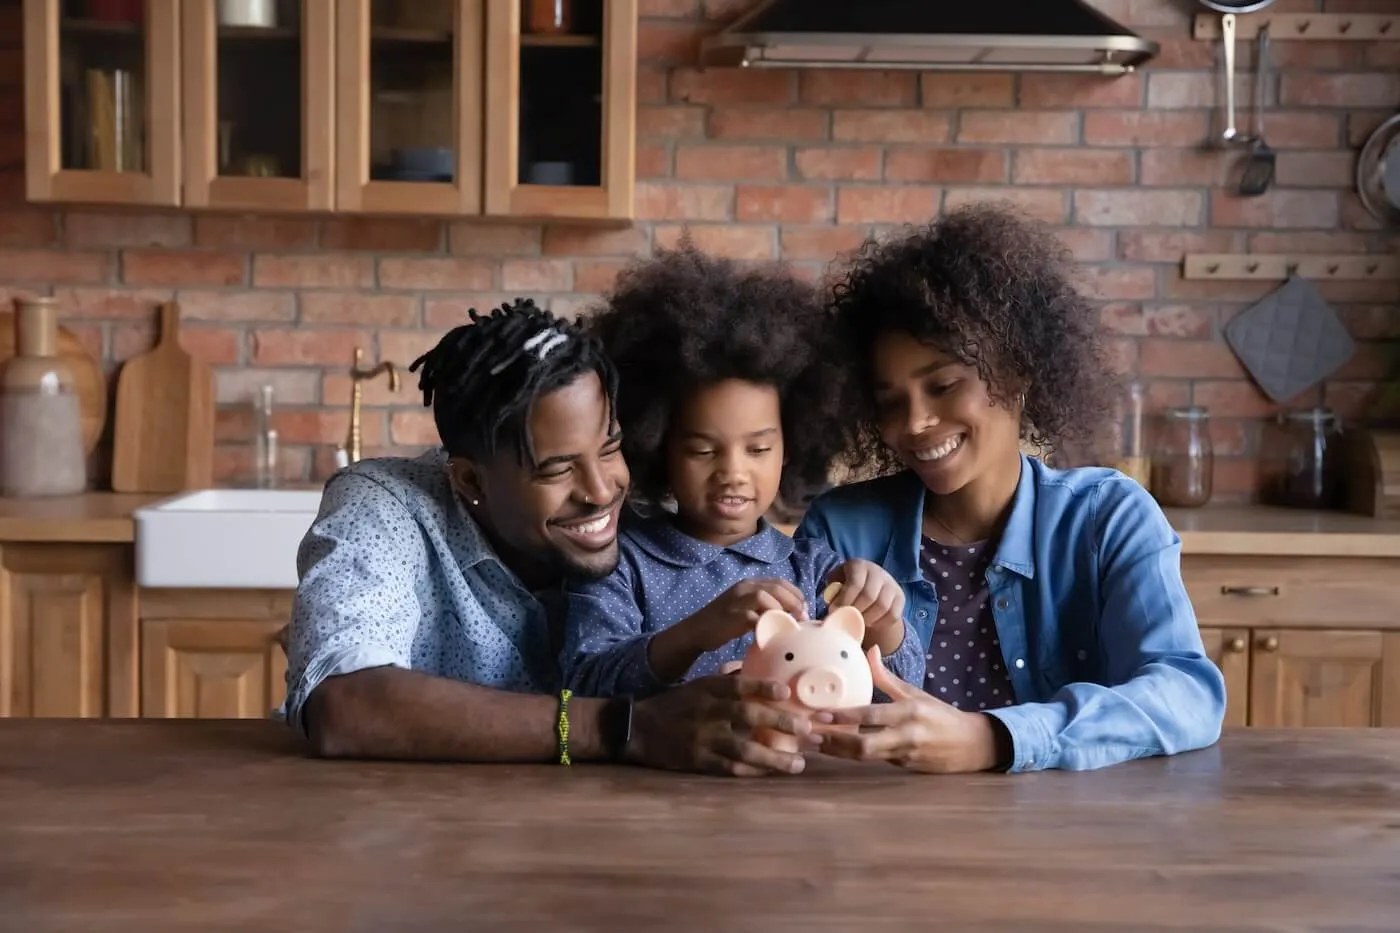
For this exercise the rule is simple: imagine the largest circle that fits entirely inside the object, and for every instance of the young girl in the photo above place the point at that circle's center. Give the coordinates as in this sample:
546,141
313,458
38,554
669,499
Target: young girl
1060,634
729,384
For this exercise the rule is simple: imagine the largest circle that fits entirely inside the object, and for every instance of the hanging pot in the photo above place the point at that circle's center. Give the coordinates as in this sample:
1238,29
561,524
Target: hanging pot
1229,10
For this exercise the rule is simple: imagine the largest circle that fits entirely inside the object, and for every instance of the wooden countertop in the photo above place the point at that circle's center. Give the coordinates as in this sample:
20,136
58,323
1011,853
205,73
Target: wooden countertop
92,517
1267,531
161,825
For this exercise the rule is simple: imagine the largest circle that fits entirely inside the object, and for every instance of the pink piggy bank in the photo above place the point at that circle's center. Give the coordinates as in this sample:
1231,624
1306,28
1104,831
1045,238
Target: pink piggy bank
822,662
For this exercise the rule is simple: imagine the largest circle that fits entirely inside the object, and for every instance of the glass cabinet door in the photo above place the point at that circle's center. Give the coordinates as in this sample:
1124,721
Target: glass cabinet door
409,98
101,79
560,139
259,123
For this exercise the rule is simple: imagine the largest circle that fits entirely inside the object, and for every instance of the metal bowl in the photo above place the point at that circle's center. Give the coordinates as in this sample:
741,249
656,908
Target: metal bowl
1378,173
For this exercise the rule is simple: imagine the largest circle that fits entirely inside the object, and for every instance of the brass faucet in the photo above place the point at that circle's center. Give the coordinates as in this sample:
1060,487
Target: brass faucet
351,451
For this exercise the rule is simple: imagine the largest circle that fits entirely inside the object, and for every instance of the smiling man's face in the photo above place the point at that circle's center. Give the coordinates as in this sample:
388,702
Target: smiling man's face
560,514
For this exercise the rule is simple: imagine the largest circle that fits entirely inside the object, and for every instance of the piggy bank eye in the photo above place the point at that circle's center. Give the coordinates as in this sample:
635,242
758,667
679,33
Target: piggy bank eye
788,656
843,653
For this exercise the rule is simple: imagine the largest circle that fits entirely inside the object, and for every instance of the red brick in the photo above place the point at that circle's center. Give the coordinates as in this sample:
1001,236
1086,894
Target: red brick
782,123
1355,216
1200,90
1210,167
1144,128
441,314
839,163
1188,359
302,347
1122,355
233,463
1305,130
413,427
1371,361
954,90
1230,437
1371,322
1277,208
1332,241
233,424
1315,55
222,231
54,266
170,267
1234,398
1363,401
670,122
897,205
213,345
731,163
654,161
25,226
1176,288
844,88
1315,169
819,243
653,84
733,86
1129,208
1144,12
1182,51
327,426
1150,246
1047,204
1381,55
1123,318
113,303
402,347
289,387
890,126
382,235
319,271
1018,126
573,306
250,306
1119,283
1056,92
947,165
537,275
457,275
724,9
1339,90
683,202
735,242
1183,321
669,43
87,230
356,308
1087,245
1072,167
1355,291
336,389
478,238
597,276
686,9
595,241
792,204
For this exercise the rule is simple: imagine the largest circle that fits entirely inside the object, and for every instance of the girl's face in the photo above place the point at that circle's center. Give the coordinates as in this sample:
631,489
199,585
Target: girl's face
937,415
724,457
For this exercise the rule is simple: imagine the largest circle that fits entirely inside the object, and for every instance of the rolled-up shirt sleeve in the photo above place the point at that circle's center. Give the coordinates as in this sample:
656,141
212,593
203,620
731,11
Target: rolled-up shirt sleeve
606,639
356,607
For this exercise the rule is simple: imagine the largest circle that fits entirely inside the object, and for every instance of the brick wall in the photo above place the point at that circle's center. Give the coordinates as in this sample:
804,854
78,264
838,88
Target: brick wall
767,165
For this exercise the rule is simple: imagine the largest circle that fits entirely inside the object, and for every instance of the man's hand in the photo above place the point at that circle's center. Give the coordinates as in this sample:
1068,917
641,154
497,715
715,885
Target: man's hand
916,731
708,725
869,588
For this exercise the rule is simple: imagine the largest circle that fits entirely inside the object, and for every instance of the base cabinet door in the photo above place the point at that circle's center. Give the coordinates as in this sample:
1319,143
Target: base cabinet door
211,668
1229,649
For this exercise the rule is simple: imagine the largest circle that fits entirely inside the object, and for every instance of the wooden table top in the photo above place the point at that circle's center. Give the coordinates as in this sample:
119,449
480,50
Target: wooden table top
155,826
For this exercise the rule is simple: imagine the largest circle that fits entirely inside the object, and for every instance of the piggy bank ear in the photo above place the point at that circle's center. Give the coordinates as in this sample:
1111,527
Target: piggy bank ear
849,620
771,624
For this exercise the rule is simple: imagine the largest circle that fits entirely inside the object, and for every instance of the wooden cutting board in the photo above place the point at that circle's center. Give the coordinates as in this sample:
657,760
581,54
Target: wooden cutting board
163,425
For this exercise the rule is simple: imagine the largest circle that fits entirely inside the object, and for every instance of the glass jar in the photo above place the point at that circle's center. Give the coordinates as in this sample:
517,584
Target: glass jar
548,16
1183,466
1302,456
1132,453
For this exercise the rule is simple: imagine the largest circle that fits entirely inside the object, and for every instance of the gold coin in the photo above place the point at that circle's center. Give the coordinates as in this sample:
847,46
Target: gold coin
830,592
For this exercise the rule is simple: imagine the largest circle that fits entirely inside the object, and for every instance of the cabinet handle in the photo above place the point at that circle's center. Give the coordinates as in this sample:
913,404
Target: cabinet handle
1271,643
1237,645
1249,590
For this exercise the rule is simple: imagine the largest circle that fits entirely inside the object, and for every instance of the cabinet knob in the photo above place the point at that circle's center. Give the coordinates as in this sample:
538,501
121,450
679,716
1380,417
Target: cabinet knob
1237,645
1249,591
1271,643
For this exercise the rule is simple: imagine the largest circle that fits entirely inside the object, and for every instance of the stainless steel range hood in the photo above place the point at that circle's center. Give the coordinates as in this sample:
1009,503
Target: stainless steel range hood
930,35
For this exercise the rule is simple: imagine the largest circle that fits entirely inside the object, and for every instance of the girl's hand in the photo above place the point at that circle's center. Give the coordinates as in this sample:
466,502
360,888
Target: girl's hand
915,731
869,588
735,612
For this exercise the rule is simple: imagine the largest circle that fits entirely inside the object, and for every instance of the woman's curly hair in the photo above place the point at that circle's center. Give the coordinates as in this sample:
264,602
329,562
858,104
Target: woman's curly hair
993,289
684,319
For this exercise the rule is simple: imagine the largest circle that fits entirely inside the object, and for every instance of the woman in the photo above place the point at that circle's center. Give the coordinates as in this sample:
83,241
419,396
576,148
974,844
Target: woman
1058,630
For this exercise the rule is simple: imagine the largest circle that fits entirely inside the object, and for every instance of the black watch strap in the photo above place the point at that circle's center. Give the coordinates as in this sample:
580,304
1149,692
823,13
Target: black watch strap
616,726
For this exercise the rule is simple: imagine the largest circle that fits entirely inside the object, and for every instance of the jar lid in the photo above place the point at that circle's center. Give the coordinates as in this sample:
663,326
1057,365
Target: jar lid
1188,412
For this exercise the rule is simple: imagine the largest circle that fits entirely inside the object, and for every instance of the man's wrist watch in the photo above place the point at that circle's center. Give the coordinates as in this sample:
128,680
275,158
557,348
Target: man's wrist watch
615,726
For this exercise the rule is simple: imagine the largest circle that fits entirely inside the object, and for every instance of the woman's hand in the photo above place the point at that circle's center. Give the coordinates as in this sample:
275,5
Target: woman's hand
869,588
915,731
708,725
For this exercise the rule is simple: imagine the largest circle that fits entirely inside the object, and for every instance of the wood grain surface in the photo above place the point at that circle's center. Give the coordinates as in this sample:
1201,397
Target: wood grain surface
155,826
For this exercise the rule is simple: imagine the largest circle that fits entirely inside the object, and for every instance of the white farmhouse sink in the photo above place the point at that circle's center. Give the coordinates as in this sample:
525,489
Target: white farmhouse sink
232,538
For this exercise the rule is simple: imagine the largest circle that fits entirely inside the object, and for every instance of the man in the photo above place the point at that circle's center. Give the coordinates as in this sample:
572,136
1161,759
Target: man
427,621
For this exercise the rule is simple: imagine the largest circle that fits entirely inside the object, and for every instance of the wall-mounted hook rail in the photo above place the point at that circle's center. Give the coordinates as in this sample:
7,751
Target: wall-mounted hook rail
1299,27
1280,266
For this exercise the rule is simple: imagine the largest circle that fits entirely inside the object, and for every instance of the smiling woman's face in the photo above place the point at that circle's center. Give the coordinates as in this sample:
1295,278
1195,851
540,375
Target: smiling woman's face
937,414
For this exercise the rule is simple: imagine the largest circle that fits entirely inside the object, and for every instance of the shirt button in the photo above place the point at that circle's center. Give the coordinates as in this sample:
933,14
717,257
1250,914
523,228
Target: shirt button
1002,603
1081,654
1020,664
922,614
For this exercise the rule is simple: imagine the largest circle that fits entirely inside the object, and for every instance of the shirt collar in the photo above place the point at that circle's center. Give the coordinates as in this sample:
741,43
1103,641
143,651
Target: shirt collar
661,539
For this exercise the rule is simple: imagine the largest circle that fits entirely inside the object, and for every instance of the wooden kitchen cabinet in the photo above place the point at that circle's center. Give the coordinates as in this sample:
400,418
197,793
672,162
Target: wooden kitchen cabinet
341,106
67,630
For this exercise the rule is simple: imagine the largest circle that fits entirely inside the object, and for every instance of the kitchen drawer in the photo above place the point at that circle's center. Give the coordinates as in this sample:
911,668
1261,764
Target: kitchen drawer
1317,592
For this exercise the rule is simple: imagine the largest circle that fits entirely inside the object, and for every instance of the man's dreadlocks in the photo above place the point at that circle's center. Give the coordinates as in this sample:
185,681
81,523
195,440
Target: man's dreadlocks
483,378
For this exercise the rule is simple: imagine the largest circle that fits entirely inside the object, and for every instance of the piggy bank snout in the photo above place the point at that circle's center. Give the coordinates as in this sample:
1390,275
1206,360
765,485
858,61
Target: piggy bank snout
820,686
